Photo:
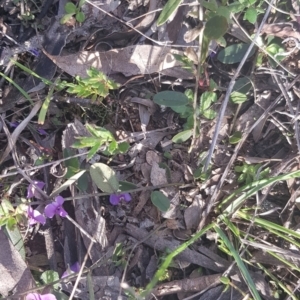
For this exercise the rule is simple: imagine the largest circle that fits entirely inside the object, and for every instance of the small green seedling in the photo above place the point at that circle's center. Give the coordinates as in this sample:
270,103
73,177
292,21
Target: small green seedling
100,139
73,10
248,173
95,85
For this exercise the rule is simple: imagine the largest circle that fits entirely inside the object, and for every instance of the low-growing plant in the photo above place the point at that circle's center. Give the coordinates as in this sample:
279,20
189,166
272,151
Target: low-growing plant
250,172
97,84
182,103
73,10
100,139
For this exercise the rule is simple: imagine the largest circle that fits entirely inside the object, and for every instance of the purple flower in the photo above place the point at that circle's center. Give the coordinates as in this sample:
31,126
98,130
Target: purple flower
36,296
35,216
34,52
75,268
32,192
41,131
55,208
115,199
13,124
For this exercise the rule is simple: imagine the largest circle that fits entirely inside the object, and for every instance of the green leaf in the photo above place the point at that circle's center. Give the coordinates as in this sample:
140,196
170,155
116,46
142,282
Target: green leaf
251,15
126,186
67,183
11,223
170,98
123,147
234,53
160,201
207,98
180,109
167,11
81,2
225,12
235,138
244,271
80,17
242,85
72,164
113,146
104,177
93,150
211,5
209,114
50,276
225,280
182,136
83,182
70,8
66,18
6,206
238,98
100,132
84,142
216,27
16,239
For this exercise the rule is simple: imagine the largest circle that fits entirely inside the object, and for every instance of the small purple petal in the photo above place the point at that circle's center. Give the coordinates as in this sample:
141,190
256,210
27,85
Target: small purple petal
75,268
59,200
34,52
33,296
50,210
114,199
36,296
42,131
61,211
31,190
35,216
55,208
126,197
14,124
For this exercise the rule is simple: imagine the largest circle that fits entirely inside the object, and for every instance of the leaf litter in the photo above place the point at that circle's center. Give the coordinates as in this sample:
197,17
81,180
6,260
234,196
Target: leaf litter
140,171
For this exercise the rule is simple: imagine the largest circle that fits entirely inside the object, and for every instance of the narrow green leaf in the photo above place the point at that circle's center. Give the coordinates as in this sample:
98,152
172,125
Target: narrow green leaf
168,259
167,11
104,177
182,136
93,150
170,98
26,96
247,277
160,201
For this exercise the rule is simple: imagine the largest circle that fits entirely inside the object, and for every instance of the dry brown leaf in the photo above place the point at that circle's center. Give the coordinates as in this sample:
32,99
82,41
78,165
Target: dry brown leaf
132,60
